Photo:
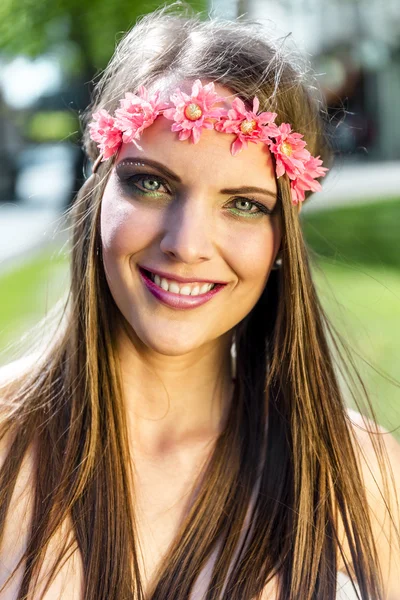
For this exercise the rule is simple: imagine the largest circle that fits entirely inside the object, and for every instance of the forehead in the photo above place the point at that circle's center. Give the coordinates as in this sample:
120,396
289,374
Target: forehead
210,159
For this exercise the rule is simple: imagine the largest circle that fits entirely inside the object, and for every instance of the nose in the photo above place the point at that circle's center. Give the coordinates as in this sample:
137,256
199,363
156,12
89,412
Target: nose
188,232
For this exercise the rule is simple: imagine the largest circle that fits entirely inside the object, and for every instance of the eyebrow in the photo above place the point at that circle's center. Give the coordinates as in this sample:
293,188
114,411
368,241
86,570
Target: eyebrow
168,173
151,163
249,190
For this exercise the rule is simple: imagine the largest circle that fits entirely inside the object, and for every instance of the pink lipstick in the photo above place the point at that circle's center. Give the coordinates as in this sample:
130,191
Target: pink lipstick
178,301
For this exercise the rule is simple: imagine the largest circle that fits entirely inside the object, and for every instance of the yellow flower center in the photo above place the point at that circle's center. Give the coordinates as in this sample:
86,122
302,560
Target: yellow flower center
248,127
193,112
286,149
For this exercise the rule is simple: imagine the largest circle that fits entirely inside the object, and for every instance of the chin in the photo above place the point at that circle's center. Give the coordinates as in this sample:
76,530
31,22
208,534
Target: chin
172,339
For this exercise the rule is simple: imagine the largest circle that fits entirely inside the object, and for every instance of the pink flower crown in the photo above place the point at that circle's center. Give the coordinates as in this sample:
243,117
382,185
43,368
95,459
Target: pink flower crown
193,113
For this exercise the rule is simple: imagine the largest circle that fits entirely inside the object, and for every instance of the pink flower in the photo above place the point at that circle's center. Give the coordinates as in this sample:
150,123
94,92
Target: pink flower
289,150
248,125
136,113
194,113
307,180
104,131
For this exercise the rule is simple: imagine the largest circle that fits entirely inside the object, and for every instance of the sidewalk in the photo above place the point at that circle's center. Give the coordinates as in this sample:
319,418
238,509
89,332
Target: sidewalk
24,229
357,184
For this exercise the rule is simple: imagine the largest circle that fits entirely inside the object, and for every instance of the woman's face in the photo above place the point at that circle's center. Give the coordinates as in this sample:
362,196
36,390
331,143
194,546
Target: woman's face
183,210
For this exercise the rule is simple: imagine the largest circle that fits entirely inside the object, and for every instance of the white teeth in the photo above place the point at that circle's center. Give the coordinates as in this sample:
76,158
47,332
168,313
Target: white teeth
185,290
205,288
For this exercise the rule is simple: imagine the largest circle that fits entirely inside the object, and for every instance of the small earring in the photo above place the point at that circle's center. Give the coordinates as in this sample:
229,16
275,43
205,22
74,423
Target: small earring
277,264
233,357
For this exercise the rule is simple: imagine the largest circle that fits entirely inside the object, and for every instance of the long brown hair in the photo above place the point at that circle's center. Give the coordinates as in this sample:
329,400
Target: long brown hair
70,406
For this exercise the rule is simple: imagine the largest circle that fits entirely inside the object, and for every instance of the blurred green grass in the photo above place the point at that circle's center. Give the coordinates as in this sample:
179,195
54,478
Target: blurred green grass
363,303
368,234
356,267
27,293
356,258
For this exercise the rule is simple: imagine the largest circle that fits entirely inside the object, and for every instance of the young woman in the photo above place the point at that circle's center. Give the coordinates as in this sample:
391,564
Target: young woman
185,435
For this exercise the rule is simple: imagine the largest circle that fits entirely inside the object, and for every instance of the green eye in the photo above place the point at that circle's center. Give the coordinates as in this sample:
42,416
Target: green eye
151,185
243,208
245,204
148,183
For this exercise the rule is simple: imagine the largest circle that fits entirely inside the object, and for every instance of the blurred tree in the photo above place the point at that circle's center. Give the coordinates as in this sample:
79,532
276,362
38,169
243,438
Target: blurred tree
82,35
243,7
8,136
89,30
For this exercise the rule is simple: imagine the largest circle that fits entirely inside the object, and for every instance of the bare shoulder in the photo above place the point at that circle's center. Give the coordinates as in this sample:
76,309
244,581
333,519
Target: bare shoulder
16,369
68,582
10,375
364,433
17,524
378,453
362,426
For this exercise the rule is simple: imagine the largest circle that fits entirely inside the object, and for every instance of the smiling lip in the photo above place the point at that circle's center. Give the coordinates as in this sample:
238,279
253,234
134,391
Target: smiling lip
173,277
179,301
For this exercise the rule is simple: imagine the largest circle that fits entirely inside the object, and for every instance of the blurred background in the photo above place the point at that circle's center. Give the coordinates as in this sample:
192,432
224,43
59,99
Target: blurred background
50,52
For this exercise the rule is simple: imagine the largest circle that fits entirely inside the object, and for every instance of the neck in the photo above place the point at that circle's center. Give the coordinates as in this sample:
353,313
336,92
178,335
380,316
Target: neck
175,402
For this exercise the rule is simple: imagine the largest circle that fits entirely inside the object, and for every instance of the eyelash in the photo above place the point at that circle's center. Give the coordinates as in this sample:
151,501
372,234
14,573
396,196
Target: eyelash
130,181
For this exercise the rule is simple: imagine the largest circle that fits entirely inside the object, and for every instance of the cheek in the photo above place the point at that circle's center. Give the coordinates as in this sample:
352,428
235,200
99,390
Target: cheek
124,228
253,253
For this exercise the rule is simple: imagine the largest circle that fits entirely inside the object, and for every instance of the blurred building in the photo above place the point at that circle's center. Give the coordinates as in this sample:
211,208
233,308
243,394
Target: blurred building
10,144
355,50
41,163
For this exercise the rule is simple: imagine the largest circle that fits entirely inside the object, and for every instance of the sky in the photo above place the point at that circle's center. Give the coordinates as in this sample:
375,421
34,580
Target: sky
23,80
